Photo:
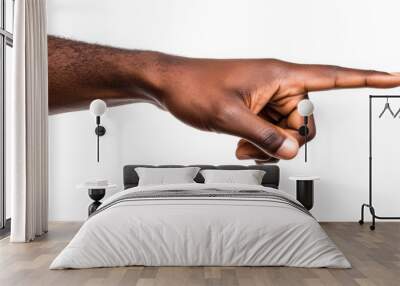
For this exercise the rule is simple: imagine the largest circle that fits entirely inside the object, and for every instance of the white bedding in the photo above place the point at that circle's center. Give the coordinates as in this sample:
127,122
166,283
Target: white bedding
200,231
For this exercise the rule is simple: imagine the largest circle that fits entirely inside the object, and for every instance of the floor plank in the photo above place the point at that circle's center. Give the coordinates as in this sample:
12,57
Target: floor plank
375,257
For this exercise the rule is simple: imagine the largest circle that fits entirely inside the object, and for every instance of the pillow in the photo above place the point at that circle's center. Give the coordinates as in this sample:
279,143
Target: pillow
163,176
248,177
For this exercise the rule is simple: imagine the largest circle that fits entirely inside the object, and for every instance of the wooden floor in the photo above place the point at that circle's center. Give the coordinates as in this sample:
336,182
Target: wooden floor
375,257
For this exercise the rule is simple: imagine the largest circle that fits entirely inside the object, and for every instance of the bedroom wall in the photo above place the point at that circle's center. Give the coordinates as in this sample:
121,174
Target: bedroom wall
335,32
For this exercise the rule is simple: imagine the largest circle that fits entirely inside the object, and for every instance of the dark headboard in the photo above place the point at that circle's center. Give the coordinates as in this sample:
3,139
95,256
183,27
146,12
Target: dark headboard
271,177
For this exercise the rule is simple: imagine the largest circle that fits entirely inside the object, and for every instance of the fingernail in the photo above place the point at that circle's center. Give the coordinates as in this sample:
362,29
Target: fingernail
288,149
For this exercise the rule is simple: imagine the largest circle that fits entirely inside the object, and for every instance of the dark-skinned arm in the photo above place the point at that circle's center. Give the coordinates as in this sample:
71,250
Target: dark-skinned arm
253,99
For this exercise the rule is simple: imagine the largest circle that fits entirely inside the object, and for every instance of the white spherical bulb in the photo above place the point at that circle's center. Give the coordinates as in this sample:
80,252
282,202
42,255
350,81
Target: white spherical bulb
98,107
305,107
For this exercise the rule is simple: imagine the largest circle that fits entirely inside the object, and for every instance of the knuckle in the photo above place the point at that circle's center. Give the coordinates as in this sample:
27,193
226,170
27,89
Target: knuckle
271,139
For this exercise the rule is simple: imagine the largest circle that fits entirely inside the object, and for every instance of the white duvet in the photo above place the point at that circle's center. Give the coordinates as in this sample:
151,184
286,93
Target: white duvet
200,231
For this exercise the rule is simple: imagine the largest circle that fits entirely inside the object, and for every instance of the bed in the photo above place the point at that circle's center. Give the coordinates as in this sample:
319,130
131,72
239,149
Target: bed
199,224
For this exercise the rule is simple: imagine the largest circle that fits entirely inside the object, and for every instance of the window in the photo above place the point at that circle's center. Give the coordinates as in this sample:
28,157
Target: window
6,43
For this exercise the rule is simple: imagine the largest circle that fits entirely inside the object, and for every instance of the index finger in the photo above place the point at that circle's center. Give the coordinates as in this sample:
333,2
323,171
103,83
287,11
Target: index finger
323,77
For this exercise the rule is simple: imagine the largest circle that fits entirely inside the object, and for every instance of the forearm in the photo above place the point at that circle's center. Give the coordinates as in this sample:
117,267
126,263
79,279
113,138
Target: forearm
80,72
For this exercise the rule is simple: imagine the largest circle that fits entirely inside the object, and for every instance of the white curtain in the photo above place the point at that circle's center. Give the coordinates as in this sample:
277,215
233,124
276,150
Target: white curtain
27,117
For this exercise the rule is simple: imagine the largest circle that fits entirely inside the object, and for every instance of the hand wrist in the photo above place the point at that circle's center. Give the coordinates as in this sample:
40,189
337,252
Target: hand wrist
148,75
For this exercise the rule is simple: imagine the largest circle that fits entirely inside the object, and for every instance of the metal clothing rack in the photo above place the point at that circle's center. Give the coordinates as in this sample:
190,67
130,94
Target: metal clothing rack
370,205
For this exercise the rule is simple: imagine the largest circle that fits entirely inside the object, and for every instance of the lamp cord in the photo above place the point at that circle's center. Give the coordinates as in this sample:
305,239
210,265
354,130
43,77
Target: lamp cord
305,137
305,148
98,144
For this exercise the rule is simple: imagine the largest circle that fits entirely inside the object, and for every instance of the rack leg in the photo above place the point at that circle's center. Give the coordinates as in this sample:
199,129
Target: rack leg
361,221
372,210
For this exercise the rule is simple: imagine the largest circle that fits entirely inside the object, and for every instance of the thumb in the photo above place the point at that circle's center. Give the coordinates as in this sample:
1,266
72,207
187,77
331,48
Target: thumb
268,137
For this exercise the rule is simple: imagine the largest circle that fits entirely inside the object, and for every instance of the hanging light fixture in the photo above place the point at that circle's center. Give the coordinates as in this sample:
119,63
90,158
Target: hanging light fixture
98,107
305,108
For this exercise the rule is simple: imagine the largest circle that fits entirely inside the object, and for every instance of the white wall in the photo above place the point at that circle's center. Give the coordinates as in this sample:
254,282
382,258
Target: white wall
362,34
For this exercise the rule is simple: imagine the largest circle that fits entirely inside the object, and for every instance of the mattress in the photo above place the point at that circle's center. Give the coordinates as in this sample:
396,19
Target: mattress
201,225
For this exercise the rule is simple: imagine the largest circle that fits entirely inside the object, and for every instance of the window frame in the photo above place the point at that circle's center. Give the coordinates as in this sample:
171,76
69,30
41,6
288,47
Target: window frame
6,39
